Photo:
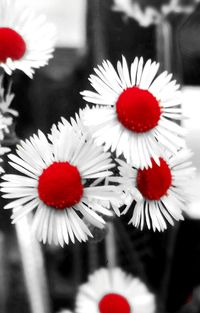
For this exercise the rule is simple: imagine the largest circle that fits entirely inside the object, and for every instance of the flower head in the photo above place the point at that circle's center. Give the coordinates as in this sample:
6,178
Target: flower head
113,291
62,179
137,111
160,192
26,40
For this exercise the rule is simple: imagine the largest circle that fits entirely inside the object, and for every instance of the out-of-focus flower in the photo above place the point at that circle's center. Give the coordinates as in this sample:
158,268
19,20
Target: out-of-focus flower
147,12
144,17
62,180
114,291
26,40
6,119
6,112
6,99
161,192
3,150
137,111
65,311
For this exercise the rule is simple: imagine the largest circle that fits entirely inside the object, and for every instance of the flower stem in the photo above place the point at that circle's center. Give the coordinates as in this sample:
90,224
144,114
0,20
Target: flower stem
33,267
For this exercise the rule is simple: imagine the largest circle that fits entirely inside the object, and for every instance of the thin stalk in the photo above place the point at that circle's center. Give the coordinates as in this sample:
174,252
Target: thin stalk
3,281
164,44
33,267
110,246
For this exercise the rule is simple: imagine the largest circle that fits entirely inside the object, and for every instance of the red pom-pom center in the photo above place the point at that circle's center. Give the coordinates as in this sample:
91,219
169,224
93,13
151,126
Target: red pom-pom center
153,183
138,110
60,185
12,45
114,303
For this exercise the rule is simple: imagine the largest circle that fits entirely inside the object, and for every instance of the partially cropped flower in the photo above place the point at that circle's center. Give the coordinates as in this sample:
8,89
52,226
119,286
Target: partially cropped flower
26,40
62,179
65,311
114,291
161,192
148,12
137,111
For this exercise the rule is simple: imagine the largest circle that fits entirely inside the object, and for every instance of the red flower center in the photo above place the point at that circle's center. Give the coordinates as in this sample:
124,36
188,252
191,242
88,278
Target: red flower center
12,45
60,185
153,183
114,303
138,110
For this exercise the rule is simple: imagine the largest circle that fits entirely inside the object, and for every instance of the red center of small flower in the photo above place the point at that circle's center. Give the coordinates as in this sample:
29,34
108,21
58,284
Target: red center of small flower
114,303
60,185
12,45
153,183
138,110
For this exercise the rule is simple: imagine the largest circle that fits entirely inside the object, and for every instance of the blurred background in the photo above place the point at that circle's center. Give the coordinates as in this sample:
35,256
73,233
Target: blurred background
88,32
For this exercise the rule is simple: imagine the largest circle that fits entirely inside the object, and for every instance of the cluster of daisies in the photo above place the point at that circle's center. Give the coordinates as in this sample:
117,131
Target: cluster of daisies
136,115
113,291
124,153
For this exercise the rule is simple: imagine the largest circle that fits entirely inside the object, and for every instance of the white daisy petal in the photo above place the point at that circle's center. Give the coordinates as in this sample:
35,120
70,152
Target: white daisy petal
41,223
77,226
37,220
28,207
139,71
18,202
20,162
149,72
91,216
64,230
84,229
121,75
126,72
68,226
45,225
134,66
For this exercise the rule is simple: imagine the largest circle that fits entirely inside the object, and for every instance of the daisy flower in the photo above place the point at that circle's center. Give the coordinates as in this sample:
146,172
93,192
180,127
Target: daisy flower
26,40
62,179
113,291
160,192
137,111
